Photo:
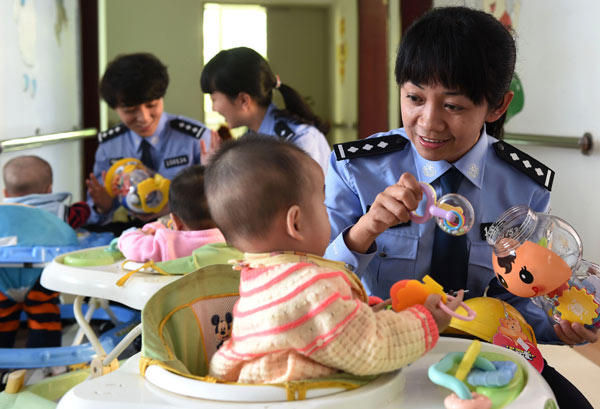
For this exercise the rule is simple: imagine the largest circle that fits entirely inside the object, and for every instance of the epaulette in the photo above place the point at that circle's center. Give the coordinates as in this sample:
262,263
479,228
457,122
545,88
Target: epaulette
282,130
188,128
531,167
369,146
116,130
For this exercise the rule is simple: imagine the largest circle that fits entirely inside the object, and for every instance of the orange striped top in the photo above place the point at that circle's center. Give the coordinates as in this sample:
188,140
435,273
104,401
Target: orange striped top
301,316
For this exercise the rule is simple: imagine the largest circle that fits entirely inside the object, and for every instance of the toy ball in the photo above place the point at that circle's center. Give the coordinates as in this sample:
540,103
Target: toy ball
538,255
139,189
453,213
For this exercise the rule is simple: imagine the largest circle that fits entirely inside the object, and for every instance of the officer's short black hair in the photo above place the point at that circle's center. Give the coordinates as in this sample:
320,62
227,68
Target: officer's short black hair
462,49
134,79
187,199
251,180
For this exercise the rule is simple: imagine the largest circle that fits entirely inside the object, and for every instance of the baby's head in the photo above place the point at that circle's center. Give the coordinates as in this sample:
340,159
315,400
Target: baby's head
187,201
25,175
268,195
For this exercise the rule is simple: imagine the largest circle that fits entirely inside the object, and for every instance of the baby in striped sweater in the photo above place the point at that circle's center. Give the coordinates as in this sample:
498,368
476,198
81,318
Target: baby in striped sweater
299,315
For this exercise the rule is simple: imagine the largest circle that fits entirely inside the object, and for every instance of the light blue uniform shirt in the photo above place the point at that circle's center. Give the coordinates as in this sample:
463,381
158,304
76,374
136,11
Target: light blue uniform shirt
175,145
307,137
404,252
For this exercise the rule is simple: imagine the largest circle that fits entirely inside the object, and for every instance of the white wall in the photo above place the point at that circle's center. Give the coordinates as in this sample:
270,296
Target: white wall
32,50
344,51
558,63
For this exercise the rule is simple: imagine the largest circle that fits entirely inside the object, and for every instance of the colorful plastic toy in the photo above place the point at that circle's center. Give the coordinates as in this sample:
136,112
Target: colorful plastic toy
537,255
139,189
478,382
453,213
499,323
406,293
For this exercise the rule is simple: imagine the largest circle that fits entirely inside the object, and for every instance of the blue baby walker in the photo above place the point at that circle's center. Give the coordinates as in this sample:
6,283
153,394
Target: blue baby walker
30,238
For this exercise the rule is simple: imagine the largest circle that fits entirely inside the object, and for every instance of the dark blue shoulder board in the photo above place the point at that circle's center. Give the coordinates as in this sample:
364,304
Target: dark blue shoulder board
370,146
188,128
531,167
115,131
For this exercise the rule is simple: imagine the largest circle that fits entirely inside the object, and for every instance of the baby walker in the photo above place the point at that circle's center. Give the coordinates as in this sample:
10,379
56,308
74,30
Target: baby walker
29,239
171,370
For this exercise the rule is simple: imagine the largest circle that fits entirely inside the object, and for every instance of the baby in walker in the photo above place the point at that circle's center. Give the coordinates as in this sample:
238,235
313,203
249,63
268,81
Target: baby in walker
299,315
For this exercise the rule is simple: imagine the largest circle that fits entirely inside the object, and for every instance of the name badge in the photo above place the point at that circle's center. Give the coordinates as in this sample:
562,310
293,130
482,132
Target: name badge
483,230
176,161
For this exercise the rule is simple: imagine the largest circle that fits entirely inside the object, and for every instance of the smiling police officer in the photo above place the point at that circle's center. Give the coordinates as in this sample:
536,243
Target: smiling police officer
134,86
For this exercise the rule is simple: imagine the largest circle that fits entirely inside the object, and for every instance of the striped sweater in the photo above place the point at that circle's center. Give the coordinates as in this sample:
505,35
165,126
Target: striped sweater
300,316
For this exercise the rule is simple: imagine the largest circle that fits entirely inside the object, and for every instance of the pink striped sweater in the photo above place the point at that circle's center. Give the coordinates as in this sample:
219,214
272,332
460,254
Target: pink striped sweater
301,316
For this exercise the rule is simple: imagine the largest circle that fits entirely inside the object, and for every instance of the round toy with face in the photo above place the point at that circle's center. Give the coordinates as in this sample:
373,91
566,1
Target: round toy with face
539,256
531,270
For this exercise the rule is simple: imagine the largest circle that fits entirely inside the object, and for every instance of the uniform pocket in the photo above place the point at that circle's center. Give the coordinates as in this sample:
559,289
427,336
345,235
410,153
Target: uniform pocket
395,260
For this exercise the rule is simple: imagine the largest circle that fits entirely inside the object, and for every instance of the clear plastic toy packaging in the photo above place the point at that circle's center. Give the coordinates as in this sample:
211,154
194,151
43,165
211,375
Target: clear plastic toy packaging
539,256
139,189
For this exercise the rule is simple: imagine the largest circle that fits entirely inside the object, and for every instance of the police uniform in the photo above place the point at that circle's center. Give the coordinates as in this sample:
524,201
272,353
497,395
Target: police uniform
175,145
496,177
307,137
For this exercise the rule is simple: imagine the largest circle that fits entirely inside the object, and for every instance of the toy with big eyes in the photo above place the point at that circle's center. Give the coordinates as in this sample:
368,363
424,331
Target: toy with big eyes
538,255
453,213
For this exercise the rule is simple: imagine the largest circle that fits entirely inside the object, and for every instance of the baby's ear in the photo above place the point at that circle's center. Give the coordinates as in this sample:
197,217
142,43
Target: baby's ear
293,222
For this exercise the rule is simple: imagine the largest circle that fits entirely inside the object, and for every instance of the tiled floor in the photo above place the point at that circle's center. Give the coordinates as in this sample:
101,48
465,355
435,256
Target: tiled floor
580,365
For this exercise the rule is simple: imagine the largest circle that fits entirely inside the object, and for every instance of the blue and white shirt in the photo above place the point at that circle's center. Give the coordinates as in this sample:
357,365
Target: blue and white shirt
492,183
307,137
174,145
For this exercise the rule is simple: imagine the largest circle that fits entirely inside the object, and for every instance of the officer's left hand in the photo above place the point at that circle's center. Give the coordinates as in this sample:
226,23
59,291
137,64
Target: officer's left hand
572,333
215,144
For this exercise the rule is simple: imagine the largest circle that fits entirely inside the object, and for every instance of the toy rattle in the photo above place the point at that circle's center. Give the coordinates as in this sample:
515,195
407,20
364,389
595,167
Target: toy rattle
453,212
406,293
139,189
537,255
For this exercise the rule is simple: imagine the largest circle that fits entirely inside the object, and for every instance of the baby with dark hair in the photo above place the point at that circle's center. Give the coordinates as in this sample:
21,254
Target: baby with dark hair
190,225
299,315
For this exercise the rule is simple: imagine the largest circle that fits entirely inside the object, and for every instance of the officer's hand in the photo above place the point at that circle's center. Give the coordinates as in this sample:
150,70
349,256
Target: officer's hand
391,207
215,144
102,200
572,333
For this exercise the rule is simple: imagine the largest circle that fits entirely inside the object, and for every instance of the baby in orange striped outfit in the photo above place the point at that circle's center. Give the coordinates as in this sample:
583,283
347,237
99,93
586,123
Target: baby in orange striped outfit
299,315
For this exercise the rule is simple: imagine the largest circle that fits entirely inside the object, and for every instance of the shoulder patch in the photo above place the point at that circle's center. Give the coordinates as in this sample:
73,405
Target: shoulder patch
188,128
111,133
282,130
531,167
369,146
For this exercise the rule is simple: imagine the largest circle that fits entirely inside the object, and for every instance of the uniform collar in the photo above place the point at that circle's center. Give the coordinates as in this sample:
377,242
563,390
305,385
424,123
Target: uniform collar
471,165
156,139
267,124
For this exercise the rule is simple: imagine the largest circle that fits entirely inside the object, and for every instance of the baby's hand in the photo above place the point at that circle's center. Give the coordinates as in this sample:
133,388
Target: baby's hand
442,319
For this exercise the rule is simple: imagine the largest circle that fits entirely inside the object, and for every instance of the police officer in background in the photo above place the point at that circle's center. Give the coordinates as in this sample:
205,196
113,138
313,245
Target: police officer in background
134,86
241,83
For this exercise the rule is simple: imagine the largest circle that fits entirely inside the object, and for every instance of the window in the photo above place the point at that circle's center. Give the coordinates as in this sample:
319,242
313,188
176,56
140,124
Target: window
227,26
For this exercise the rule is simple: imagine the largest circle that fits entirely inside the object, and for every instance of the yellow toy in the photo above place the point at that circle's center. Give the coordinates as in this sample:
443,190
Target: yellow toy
139,189
406,293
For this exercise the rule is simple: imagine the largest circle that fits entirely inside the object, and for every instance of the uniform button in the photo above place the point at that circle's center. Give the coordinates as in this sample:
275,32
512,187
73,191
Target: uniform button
383,254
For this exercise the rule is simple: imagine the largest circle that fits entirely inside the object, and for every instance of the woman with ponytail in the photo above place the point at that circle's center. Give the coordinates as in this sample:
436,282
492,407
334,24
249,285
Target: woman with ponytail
241,83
